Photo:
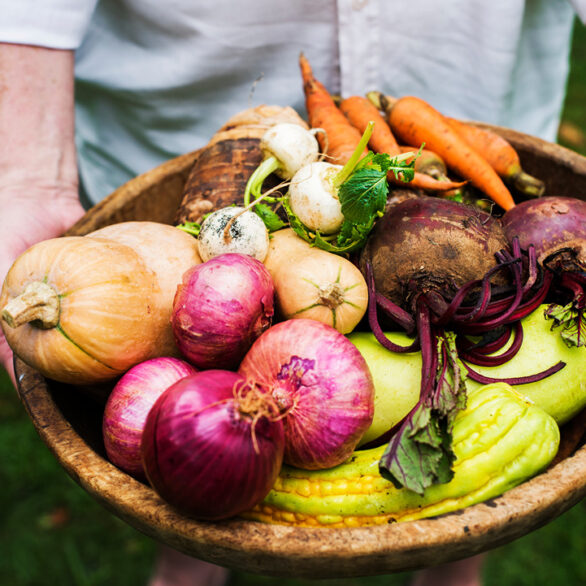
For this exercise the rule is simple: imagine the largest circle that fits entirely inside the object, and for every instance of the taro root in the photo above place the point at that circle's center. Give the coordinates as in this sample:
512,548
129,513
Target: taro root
222,168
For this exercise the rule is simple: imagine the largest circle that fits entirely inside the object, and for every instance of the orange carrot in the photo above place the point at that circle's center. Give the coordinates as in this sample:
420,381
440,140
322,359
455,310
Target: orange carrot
501,154
341,137
414,121
428,162
360,111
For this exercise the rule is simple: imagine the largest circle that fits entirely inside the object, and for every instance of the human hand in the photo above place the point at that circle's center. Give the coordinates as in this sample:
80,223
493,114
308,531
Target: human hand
30,214
38,168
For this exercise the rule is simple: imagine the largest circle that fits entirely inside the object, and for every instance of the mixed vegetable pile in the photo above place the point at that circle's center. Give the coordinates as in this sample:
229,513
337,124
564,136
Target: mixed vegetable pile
374,316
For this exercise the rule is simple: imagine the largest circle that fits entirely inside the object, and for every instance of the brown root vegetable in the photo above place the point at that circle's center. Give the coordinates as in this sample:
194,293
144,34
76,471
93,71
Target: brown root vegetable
222,168
431,244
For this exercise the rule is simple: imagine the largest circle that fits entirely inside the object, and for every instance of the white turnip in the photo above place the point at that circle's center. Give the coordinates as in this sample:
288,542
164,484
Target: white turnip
233,229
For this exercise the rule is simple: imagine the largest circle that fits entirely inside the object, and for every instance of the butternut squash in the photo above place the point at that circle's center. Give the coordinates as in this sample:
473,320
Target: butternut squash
82,310
167,251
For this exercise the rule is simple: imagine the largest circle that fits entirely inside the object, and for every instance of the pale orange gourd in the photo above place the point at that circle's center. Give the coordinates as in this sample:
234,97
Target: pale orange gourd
166,250
315,284
82,310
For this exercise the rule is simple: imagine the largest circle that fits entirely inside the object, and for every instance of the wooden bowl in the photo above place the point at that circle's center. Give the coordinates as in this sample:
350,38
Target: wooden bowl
69,422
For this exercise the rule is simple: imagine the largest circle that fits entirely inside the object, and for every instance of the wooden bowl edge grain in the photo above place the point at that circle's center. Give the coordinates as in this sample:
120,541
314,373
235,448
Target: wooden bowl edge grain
288,551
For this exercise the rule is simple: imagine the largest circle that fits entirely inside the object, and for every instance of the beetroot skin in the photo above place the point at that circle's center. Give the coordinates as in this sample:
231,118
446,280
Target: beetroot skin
556,226
431,244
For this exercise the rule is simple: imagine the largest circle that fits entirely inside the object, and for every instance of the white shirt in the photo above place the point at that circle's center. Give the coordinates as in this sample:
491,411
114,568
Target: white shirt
157,78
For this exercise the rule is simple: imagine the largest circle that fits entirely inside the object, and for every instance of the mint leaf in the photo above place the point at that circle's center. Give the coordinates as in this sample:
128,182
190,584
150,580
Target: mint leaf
420,454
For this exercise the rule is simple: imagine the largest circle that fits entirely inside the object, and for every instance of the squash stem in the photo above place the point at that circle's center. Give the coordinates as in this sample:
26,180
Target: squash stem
348,168
38,304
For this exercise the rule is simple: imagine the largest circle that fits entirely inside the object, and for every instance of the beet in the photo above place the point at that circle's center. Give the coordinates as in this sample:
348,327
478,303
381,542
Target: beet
431,244
556,228
445,271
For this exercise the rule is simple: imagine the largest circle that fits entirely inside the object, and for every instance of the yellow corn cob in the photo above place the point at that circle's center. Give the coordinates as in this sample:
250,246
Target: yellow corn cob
500,440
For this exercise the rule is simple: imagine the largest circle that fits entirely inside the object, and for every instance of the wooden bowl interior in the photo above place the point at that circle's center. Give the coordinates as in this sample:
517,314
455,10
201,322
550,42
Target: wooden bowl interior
68,419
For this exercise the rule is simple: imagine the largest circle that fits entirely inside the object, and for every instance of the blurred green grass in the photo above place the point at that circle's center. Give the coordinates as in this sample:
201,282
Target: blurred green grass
52,532
572,132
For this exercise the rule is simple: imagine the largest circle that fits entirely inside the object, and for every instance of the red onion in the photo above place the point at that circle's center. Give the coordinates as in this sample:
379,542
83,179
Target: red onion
321,383
220,308
213,446
128,405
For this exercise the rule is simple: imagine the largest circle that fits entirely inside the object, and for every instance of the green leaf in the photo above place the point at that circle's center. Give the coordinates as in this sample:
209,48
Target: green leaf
403,172
571,320
270,218
364,194
363,197
420,454
192,228
297,225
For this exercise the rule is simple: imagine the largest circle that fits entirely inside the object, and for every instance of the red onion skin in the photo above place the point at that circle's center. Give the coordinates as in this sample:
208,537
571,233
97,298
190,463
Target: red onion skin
220,308
322,382
549,223
128,405
198,451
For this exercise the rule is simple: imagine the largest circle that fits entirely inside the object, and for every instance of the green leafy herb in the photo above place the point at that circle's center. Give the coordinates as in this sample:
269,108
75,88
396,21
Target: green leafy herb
363,197
364,193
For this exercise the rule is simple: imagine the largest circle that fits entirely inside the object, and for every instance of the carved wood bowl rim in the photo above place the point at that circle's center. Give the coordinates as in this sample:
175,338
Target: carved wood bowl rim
293,551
